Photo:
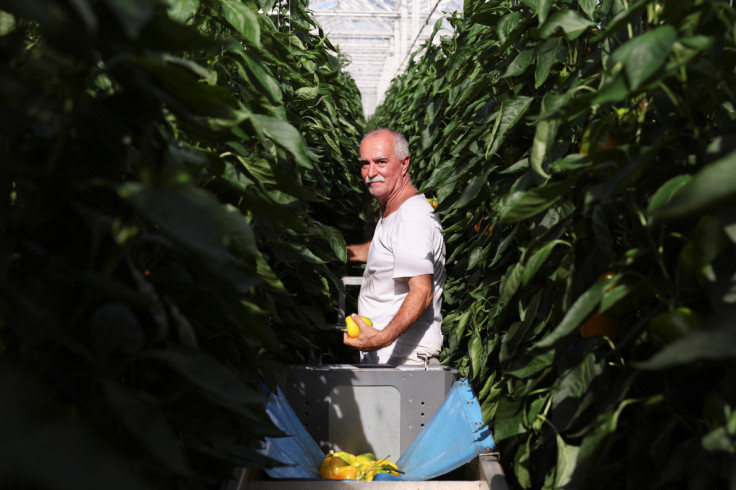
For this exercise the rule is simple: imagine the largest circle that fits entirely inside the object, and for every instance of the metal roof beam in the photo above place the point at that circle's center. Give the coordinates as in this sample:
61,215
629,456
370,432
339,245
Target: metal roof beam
370,49
345,14
368,61
332,34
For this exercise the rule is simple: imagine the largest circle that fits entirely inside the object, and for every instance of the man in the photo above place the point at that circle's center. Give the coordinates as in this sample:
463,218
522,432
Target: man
405,261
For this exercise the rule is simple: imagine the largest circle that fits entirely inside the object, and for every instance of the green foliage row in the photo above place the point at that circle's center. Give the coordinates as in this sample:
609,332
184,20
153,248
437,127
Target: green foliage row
177,177
584,157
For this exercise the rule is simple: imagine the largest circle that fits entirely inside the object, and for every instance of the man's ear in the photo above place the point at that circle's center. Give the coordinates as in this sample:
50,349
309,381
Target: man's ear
405,164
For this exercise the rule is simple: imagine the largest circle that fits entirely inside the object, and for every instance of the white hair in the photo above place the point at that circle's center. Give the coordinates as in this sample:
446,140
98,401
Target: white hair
401,146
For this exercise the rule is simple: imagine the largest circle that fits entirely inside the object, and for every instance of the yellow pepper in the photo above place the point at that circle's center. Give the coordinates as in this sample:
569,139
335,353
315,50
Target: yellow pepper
353,329
347,472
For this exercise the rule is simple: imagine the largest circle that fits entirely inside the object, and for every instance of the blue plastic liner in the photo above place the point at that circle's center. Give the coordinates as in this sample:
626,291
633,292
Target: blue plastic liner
454,436
300,454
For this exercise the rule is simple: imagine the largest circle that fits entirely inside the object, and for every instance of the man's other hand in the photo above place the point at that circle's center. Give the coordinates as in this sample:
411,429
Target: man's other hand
359,252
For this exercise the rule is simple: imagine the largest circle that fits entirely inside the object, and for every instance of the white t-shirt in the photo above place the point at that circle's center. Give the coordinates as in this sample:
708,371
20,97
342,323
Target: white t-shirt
406,243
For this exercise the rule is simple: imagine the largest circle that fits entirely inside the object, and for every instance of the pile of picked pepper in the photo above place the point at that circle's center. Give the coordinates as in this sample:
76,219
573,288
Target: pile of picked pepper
363,467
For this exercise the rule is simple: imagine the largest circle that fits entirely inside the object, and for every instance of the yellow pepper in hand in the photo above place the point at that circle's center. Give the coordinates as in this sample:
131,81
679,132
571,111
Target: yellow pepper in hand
353,329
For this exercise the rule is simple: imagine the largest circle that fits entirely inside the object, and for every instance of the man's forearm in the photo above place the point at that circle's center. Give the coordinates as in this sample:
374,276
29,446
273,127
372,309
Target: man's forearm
415,303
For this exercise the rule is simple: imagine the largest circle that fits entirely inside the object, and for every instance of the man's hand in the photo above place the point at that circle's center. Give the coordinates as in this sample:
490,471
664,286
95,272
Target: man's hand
359,252
369,339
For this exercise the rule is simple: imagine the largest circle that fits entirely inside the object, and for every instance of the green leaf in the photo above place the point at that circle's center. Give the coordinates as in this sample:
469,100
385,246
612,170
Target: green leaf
301,253
512,283
477,254
710,238
511,113
570,22
535,262
506,25
714,342
578,312
168,35
612,91
546,132
519,64
285,135
666,191
567,455
271,279
143,416
475,352
266,207
544,137
182,10
623,17
588,7
548,53
697,43
536,364
133,15
244,20
266,5
333,237
604,425
573,161
509,420
711,187
462,323
185,94
522,463
643,55
571,393
520,205
264,83
470,191
543,7
206,75
195,219
719,439
574,384
216,382
306,94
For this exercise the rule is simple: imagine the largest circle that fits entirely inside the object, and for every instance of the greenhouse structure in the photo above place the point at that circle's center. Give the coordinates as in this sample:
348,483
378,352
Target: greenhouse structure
187,207
377,37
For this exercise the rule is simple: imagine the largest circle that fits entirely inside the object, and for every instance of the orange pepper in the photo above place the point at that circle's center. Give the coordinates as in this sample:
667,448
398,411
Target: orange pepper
331,466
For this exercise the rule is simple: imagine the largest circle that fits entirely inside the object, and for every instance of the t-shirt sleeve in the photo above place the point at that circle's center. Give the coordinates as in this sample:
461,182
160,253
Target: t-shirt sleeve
413,251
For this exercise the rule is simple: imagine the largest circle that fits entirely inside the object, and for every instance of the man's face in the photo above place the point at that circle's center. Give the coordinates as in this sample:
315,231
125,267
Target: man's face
382,172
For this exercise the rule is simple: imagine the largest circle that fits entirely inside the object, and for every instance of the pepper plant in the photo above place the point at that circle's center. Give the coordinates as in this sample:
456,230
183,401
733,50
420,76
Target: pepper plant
175,179
583,155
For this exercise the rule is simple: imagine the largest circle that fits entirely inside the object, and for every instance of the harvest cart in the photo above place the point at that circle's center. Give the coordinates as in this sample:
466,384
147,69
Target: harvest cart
426,418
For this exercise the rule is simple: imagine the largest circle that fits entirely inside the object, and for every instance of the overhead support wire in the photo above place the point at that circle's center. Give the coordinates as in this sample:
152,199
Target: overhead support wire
419,33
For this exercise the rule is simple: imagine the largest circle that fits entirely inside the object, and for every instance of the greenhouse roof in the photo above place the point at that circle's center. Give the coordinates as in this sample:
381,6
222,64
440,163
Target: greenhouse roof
377,36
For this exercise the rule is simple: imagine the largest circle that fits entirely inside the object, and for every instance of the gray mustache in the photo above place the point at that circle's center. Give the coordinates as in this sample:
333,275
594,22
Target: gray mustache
377,178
